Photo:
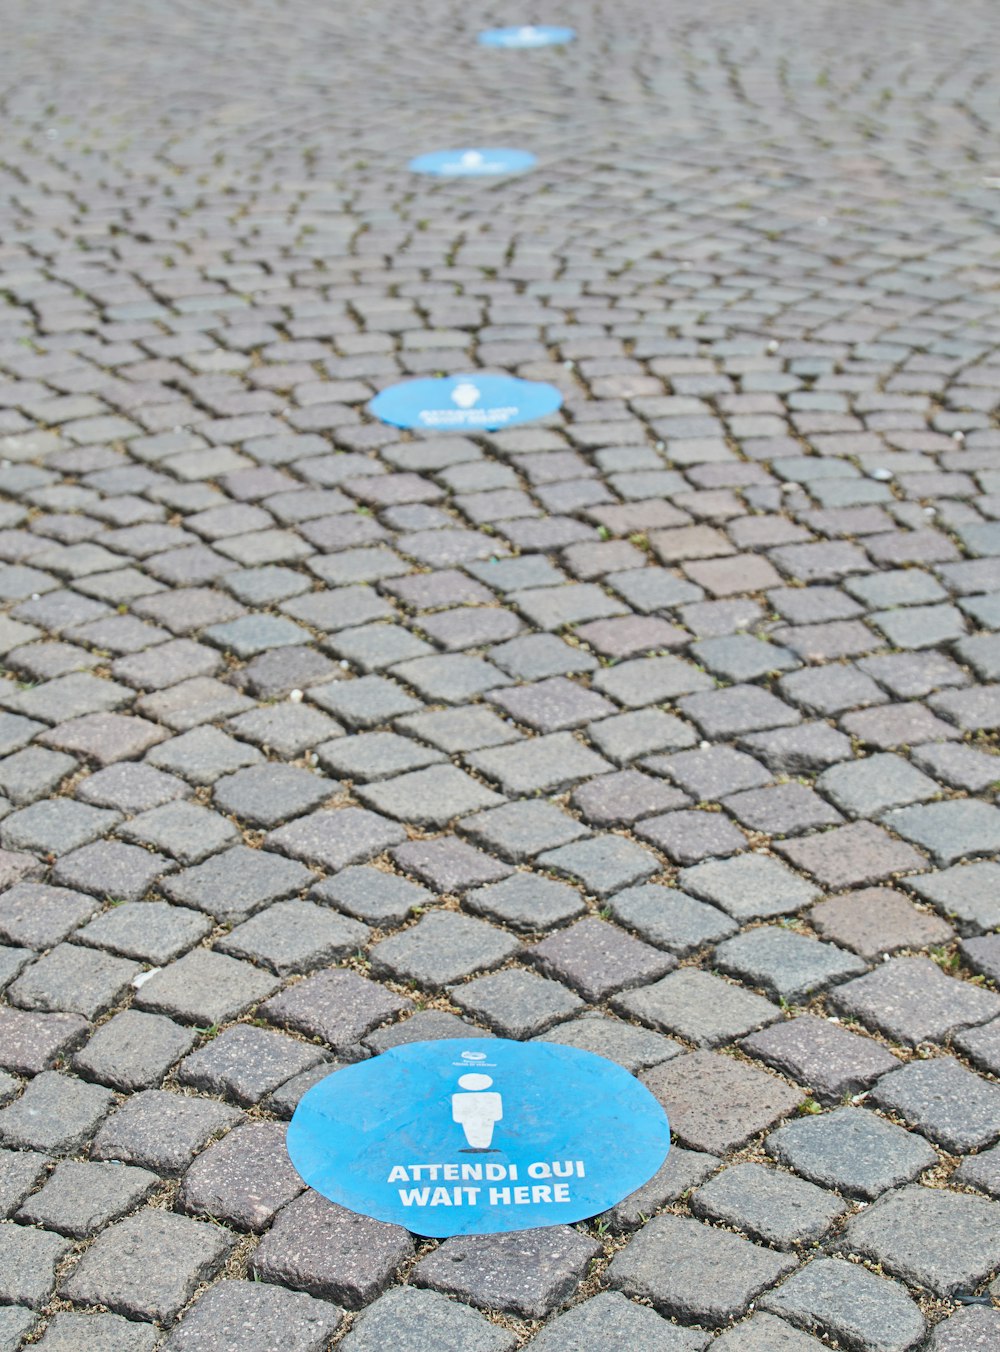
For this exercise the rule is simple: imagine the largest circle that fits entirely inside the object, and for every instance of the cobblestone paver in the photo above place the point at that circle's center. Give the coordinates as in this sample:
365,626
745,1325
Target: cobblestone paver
665,726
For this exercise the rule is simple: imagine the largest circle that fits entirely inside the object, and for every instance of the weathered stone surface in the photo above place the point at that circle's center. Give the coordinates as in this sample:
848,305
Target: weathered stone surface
947,1103
333,1254
776,1208
257,1318
609,1320
28,1261
852,1150
694,1272
528,1273
715,1103
423,1318
56,1113
822,1056
847,1301
147,1267
244,1179
944,1241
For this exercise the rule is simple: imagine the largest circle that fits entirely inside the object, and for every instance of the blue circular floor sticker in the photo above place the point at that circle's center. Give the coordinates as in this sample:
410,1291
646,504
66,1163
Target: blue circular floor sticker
529,35
465,403
477,1137
483,162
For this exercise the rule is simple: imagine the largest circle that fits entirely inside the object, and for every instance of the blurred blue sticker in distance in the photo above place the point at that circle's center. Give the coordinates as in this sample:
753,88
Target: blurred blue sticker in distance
478,1136
465,403
528,35
478,162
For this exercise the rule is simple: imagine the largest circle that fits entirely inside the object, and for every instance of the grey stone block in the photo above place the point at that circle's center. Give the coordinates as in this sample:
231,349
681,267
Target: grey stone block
776,1208
110,869
55,826
376,755
789,966
959,829
20,1172
911,1001
204,988
148,931
30,1043
133,1051
851,1150
350,835
969,895
715,1103
539,764
847,1302
295,936
339,1007
81,1198
34,915
516,1003
597,958
245,1064
822,1056
609,1320
765,1333
15,1322
73,980
712,772
244,1179
68,1331
869,787
693,1272
971,1330
238,882
749,886
603,864
162,1131
442,948
448,864
265,795
148,1266
370,894
186,831
526,902
944,1241
256,1318
333,1254
634,1048
945,1102
669,918
430,797
527,1273
687,837
425,1319
518,831
55,1114
698,1006
28,1261
681,1171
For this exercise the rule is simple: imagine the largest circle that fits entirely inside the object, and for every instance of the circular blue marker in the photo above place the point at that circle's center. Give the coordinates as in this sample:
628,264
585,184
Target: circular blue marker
478,1136
528,35
479,162
469,403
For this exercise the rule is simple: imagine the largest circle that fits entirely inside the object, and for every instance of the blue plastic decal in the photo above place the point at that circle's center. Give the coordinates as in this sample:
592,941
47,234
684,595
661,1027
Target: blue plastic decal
470,403
478,1136
529,35
482,162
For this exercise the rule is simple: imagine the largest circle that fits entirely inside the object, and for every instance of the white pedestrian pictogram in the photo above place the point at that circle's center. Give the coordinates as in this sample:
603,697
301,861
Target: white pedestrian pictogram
472,158
465,395
477,1112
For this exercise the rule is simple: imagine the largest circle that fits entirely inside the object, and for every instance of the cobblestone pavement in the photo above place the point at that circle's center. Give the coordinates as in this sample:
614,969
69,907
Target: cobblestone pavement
665,727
